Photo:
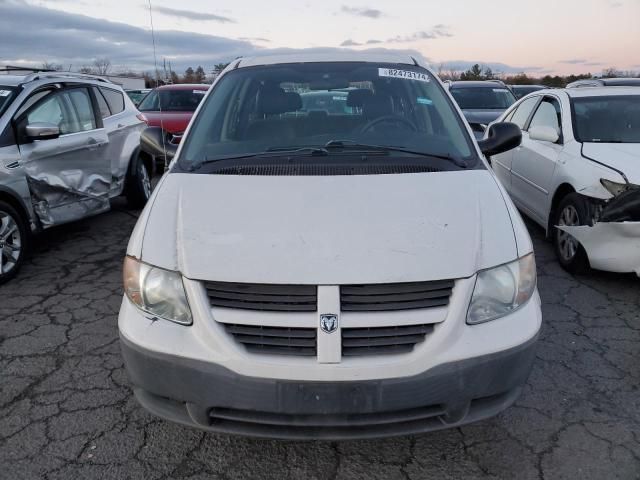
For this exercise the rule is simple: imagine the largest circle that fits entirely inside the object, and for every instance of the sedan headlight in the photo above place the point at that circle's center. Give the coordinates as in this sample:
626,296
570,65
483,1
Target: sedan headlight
615,188
502,290
156,291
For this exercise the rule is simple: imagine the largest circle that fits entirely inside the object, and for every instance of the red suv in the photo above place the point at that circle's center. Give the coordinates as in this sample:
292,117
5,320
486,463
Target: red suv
171,107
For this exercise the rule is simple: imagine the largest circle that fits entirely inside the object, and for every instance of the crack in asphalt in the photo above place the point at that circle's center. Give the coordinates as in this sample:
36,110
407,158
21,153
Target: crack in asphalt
67,410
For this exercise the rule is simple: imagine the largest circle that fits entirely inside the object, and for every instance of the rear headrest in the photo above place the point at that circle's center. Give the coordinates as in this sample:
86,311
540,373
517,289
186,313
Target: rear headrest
294,101
377,106
357,98
273,102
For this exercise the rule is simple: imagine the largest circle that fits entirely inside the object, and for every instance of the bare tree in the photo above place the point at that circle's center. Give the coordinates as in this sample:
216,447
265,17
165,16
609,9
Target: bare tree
86,69
51,66
102,65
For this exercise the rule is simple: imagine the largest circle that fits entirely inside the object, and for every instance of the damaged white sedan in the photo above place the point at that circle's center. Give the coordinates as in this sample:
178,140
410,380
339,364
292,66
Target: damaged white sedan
577,173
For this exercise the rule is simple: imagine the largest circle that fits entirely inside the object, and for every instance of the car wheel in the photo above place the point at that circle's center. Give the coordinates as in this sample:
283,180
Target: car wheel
573,210
138,184
14,234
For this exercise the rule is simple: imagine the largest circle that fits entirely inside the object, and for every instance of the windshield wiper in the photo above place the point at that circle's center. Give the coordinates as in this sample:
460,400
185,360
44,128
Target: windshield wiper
269,152
350,144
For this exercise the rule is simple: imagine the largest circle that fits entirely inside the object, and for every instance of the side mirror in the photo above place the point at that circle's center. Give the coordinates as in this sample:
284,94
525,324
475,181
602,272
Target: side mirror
154,142
501,138
42,131
544,134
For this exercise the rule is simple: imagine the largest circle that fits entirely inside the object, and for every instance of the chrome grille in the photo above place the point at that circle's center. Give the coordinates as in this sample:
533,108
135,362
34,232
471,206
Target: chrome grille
395,296
382,340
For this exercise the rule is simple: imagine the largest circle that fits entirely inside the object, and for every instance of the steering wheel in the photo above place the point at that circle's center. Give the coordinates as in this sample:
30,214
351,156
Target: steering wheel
388,119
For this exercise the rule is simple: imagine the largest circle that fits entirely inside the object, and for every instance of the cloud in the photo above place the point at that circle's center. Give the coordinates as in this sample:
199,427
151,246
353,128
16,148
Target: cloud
374,42
362,12
574,61
350,43
615,3
76,40
436,31
191,15
255,39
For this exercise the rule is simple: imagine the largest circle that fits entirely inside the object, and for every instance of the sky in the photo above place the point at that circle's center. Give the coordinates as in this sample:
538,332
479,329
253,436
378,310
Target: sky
509,36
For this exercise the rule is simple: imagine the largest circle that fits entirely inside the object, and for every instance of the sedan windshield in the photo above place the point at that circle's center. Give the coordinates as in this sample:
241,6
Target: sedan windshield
172,100
346,106
6,96
607,119
483,98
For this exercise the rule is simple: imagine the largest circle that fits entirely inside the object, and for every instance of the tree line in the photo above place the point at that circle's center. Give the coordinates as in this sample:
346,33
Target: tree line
477,72
166,75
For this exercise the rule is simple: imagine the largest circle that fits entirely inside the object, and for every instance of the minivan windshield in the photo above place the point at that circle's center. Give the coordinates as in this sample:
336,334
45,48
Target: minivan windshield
179,100
6,97
607,119
289,107
483,98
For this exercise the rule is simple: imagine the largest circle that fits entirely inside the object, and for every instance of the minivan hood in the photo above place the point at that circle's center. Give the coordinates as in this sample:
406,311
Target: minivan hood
329,230
621,156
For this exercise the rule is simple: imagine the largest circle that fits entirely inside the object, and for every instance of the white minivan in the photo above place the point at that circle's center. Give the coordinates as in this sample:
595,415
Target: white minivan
329,271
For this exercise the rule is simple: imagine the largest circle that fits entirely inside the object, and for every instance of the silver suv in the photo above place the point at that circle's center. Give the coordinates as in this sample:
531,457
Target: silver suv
68,144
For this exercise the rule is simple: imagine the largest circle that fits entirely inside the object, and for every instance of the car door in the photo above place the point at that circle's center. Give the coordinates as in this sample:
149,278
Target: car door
118,128
69,176
534,161
502,162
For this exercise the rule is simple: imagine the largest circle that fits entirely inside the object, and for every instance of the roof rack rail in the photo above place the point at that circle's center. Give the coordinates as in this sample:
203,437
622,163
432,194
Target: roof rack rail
41,75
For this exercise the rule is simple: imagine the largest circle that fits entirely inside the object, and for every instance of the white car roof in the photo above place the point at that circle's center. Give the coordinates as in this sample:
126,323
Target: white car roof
600,91
375,57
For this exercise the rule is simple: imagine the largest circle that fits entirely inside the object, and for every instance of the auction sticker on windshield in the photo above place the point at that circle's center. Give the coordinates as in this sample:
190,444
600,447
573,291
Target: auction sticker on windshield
4,93
406,74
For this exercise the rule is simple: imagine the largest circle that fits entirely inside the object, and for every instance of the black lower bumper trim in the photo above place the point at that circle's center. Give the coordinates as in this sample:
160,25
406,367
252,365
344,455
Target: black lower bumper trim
209,396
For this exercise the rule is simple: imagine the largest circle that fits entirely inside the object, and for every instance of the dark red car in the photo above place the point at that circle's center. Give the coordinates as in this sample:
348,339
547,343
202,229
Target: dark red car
171,107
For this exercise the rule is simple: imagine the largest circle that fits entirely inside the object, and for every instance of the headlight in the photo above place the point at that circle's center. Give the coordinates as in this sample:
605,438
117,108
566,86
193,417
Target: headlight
156,291
502,290
615,188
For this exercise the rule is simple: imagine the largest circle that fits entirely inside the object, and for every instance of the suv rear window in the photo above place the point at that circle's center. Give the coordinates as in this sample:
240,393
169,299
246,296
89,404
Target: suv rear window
115,100
483,98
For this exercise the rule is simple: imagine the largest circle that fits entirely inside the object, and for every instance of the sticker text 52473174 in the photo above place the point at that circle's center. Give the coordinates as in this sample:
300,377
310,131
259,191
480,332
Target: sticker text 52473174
405,74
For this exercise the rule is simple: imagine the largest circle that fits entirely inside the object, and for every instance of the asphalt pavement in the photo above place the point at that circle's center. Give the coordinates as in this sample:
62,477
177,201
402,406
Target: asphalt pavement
67,411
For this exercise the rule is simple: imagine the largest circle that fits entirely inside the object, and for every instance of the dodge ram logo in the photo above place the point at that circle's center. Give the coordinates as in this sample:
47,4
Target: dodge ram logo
328,322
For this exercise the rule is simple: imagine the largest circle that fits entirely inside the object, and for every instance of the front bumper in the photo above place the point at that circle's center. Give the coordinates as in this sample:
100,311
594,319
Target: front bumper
610,246
211,397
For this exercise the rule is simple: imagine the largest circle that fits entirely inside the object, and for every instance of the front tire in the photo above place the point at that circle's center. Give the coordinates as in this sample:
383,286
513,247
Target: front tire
14,234
573,210
139,187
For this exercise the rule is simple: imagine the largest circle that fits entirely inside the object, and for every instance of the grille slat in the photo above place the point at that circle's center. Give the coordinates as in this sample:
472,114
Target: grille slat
382,340
386,331
263,297
395,296
275,340
293,341
270,331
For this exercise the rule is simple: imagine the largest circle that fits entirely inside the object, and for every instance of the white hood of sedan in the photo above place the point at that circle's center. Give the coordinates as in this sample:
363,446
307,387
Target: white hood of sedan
328,230
621,156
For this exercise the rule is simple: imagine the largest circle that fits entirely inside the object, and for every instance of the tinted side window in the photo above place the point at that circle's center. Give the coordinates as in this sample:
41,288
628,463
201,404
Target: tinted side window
81,102
115,100
523,111
102,103
548,115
